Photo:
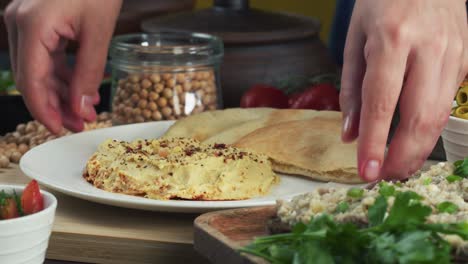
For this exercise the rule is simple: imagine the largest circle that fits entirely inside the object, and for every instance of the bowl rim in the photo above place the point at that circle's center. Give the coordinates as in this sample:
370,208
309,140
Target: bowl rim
31,217
457,119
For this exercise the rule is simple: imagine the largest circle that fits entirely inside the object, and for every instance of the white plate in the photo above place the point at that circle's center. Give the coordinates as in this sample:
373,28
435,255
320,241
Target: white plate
59,164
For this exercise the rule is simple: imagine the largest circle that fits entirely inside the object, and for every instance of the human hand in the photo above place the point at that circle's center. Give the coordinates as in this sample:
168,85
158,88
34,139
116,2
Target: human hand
38,32
412,53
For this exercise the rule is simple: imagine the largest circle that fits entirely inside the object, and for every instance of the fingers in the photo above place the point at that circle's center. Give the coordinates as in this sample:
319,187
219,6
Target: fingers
424,106
351,80
89,68
380,91
33,76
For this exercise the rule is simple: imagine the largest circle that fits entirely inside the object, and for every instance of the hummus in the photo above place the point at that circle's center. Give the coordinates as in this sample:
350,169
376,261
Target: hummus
179,168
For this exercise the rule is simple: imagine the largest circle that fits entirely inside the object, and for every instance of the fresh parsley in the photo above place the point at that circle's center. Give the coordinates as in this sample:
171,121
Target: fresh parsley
386,189
342,207
447,207
399,236
355,192
453,178
461,168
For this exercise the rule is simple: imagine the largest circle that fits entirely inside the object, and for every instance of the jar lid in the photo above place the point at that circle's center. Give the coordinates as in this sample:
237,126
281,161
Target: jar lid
238,24
166,49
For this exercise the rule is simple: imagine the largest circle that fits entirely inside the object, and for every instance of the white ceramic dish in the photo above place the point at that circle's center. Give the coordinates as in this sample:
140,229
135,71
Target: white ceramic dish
25,239
59,164
455,139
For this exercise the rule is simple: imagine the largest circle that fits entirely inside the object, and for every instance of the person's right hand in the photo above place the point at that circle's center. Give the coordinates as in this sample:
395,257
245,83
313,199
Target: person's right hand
38,32
414,53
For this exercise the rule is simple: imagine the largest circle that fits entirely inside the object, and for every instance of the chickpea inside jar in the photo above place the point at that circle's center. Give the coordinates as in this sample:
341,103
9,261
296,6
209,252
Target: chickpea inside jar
164,76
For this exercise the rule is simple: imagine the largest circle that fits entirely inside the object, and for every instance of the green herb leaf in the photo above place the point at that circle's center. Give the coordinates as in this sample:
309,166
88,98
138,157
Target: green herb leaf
447,207
461,168
403,237
377,211
312,252
407,210
342,207
453,178
355,192
18,203
427,181
386,189
4,197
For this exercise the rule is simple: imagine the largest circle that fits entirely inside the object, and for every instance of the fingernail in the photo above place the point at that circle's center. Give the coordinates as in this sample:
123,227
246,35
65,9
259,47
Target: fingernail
346,124
86,105
371,171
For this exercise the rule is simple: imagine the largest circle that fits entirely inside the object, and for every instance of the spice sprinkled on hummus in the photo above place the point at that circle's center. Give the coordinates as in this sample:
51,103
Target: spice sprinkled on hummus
179,168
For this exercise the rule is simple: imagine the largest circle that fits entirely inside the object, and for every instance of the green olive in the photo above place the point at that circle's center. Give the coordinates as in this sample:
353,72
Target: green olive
462,96
461,112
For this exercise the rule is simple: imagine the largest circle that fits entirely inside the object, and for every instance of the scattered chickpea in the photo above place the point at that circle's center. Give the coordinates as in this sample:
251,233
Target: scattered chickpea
4,161
21,128
15,156
30,127
23,148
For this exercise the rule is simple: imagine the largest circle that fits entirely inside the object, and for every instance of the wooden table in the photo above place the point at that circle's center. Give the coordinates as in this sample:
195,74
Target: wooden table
93,233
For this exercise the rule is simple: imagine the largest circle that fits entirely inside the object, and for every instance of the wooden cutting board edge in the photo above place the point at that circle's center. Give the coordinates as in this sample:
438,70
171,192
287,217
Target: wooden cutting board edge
216,246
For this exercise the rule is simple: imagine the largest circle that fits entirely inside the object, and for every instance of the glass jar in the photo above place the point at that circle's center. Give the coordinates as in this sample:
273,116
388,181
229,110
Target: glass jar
164,76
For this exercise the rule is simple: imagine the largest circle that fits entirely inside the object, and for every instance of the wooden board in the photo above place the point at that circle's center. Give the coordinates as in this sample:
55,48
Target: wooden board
218,235
95,233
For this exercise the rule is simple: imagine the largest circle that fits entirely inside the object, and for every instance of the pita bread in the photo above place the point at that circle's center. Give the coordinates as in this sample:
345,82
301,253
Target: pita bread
233,134
310,147
206,124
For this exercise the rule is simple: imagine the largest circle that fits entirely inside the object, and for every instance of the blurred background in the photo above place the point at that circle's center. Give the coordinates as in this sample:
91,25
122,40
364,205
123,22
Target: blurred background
134,14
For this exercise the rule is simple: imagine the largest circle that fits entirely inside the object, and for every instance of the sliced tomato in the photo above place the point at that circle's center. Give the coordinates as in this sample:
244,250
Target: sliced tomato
9,209
31,199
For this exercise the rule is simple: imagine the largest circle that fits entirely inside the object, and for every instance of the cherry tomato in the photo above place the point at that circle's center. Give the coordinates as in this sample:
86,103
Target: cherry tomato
261,95
292,98
318,97
31,199
9,209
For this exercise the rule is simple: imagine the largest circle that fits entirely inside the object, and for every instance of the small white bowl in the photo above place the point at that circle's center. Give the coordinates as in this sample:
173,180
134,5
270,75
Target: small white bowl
455,139
25,239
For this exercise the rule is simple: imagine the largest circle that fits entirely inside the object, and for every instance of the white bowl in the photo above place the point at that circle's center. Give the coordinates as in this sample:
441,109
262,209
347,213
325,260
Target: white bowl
25,239
455,139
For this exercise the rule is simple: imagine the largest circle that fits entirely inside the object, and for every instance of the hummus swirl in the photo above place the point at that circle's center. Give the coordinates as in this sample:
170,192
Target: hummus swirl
179,168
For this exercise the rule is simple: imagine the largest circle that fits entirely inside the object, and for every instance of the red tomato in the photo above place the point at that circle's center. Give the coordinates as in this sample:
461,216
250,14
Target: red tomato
292,98
9,209
31,199
261,95
318,97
